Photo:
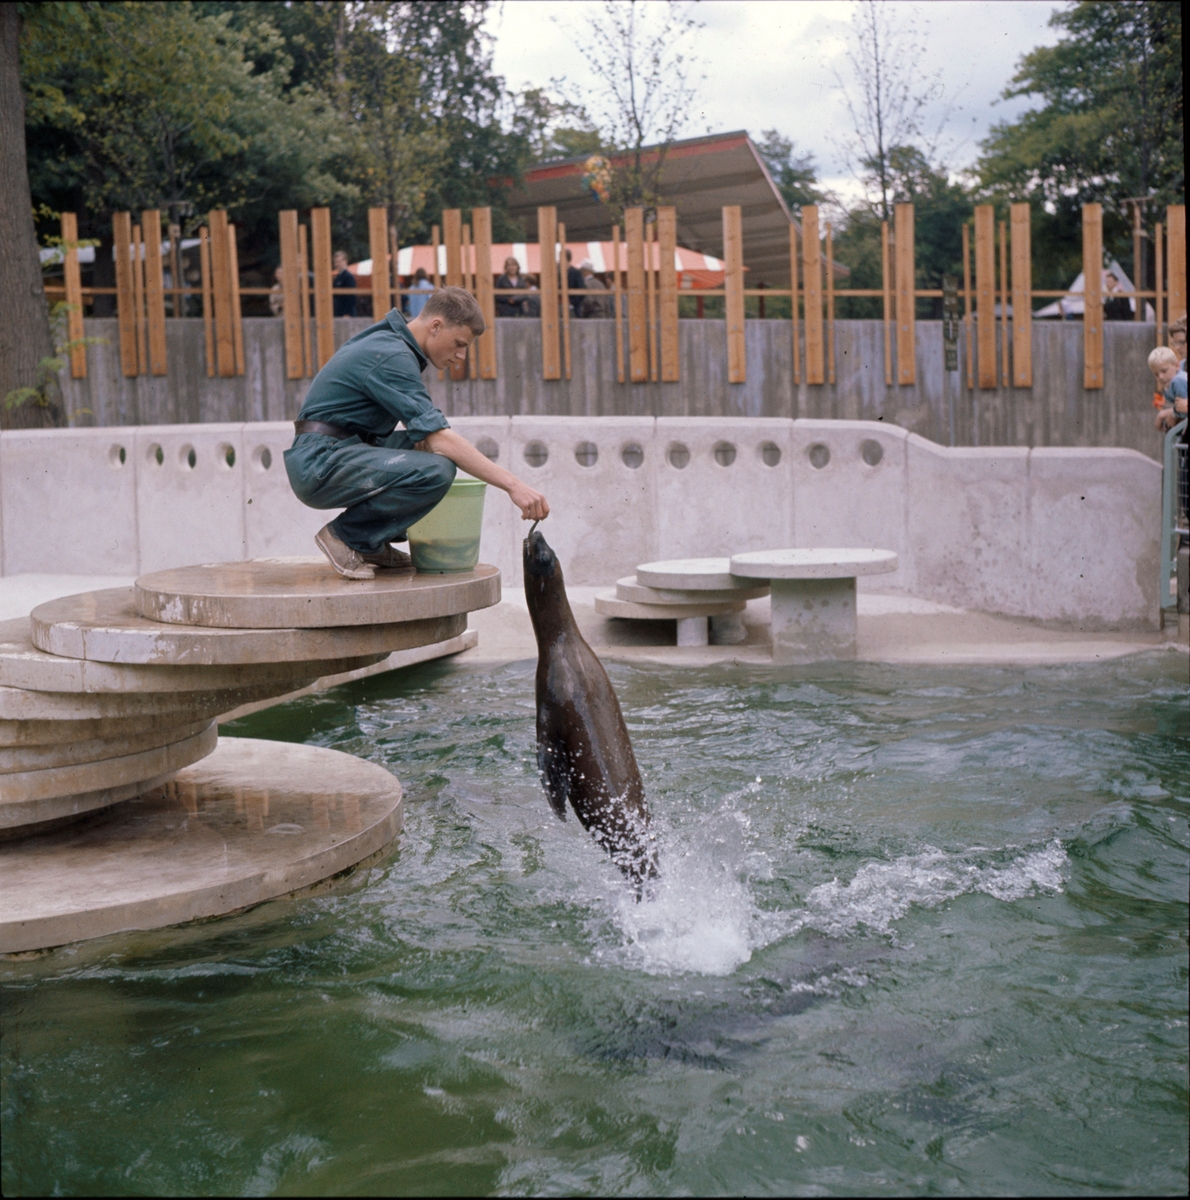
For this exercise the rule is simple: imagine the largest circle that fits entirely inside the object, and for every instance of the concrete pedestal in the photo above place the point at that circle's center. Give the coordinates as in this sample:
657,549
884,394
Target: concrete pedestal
693,631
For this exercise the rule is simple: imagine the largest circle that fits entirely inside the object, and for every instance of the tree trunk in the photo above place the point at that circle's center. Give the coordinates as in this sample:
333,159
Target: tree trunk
25,337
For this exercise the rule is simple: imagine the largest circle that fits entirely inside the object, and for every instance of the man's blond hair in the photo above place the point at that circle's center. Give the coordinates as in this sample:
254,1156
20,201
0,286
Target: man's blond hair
456,306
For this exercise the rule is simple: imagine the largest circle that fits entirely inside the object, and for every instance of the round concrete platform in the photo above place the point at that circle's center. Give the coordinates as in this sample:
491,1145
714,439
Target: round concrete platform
306,593
60,753
631,589
252,822
691,575
24,666
824,563
608,604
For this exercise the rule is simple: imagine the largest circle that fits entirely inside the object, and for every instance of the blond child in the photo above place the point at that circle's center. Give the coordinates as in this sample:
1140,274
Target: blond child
1171,384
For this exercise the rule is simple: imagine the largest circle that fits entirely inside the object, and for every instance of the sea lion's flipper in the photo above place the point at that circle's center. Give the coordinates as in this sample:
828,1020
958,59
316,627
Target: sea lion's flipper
553,763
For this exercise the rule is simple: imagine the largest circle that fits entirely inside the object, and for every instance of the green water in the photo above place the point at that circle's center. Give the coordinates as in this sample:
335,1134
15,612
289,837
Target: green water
918,931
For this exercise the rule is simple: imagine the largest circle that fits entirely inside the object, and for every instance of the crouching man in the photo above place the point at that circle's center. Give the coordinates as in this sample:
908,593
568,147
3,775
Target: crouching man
349,453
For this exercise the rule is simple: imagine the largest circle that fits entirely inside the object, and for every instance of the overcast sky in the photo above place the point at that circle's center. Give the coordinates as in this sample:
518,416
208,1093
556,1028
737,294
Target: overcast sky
771,64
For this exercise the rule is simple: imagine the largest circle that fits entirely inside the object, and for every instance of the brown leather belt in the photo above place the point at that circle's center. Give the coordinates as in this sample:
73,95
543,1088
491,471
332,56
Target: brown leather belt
335,431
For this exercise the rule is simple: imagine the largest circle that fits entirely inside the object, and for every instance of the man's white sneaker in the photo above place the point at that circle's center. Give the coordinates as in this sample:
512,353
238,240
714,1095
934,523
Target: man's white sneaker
346,561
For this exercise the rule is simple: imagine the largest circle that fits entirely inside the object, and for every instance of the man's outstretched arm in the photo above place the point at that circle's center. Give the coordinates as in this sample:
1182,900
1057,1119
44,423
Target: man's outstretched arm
532,503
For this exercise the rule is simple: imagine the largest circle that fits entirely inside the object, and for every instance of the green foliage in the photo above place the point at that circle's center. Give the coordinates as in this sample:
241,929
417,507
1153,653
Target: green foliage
795,175
45,392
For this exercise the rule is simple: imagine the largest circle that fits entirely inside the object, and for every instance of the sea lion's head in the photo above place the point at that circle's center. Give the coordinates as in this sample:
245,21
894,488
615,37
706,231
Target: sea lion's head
540,561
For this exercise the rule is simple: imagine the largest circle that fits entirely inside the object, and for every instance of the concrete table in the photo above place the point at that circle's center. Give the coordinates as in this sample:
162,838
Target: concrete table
813,597
690,581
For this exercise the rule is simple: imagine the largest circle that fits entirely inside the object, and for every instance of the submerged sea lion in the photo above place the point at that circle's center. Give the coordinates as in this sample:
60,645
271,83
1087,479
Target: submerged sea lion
583,751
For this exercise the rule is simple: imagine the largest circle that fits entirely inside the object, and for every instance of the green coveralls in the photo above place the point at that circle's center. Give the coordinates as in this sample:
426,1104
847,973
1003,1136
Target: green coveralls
372,383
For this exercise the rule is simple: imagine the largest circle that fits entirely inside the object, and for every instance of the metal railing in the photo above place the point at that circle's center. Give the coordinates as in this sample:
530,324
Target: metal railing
1174,517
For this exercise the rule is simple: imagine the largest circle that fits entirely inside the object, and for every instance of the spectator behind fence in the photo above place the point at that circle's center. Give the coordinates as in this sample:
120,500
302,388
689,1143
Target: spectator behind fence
593,306
1176,340
1171,380
420,284
511,306
277,295
532,302
574,282
343,306
1116,304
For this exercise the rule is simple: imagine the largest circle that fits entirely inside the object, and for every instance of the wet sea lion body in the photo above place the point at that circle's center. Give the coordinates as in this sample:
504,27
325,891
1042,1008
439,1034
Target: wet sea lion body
583,750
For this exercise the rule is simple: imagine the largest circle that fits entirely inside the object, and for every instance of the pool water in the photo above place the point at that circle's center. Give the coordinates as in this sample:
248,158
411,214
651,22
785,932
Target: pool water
918,930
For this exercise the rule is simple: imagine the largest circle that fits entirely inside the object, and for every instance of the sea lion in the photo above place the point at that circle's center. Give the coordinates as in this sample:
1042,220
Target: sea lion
583,751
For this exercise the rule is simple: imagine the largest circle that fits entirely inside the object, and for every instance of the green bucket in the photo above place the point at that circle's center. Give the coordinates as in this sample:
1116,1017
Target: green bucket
447,537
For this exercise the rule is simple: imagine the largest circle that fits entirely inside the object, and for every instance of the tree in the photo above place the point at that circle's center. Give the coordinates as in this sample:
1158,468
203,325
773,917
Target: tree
25,341
795,175
886,93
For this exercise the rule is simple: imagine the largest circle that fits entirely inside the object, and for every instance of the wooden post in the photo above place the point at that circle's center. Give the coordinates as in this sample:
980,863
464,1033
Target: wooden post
436,239
733,281
178,307
472,365
291,293
125,301
154,291
1002,231
797,358
638,344
967,303
208,303
1022,296
564,285
452,232
393,252
235,310
667,232
306,306
481,222
547,244
138,299
812,270
381,272
1175,217
1159,282
906,298
830,305
74,295
886,287
985,294
1093,296
320,247
1138,235
225,354
651,299
617,306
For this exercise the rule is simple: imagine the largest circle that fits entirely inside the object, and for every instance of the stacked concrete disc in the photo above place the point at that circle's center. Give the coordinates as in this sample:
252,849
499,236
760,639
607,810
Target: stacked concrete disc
106,696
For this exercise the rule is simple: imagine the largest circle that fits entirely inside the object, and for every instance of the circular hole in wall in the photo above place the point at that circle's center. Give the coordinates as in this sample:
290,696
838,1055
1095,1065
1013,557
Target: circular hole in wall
262,456
187,457
155,454
871,452
818,455
227,454
536,454
678,455
586,454
770,453
117,456
724,454
488,448
632,456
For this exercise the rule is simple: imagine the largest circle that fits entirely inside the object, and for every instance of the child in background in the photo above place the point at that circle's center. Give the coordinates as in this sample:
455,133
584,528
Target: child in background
1170,375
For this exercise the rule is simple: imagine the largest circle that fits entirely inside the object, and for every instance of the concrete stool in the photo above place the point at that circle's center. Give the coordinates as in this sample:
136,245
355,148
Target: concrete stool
813,597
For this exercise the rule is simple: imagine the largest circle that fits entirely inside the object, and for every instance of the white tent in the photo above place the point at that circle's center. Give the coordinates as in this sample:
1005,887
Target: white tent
1075,306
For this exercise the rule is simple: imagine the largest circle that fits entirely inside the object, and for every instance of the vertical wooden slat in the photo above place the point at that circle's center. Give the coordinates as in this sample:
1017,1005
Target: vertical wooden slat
887,300
393,250
985,294
234,308
906,298
436,239
650,249
564,285
481,222
381,271
733,283
452,233
1022,296
547,244
225,354
208,302
830,304
138,298
967,303
1093,296
1002,233
1138,234
125,301
154,291
1159,282
320,248
291,293
1175,225
617,305
74,295
178,307
667,233
304,285
638,344
812,271
468,369
797,358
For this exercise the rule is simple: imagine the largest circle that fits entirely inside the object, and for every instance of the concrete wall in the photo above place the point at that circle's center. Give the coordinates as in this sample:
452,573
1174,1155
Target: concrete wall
1054,534
1057,411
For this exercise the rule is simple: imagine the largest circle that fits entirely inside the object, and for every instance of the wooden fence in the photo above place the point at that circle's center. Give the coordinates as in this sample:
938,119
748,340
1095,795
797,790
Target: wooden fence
997,304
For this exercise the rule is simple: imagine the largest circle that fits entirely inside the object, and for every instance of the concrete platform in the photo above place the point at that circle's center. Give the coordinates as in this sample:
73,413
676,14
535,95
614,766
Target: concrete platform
253,821
58,753
631,589
608,604
306,593
692,574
